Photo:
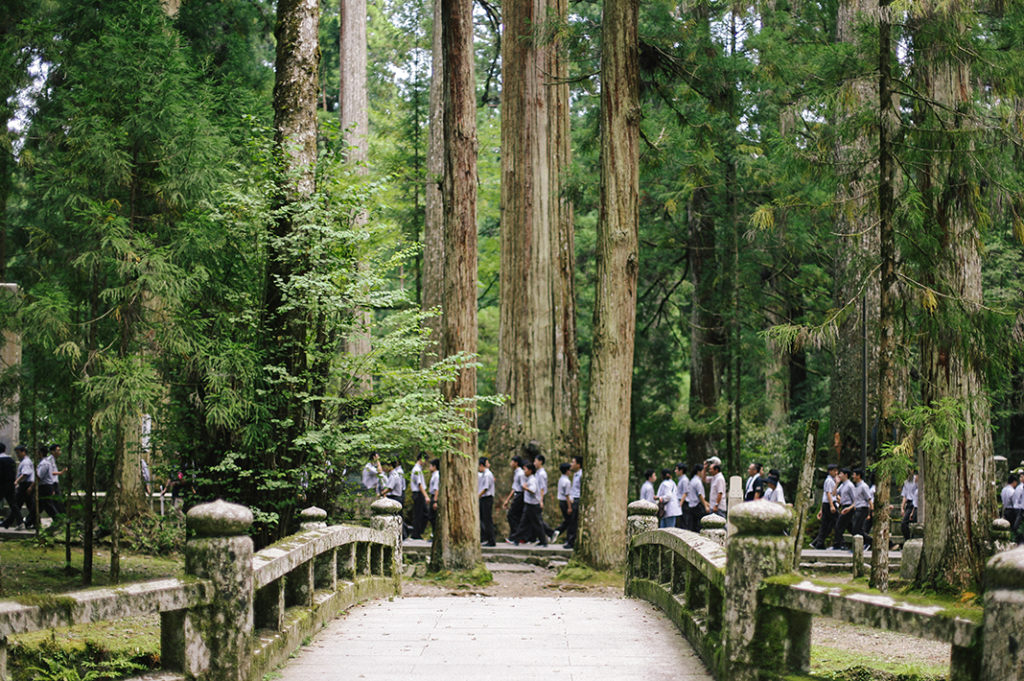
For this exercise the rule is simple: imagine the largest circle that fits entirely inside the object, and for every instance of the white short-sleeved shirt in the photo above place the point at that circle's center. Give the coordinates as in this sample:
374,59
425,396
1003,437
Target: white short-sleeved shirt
909,492
667,493
416,481
1018,497
770,494
542,481
718,487
564,487
485,483
517,480
861,495
530,489
1006,496
696,491
647,491
828,488
45,470
370,476
577,485
846,494
396,483
780,495
26,468
682,487
435,482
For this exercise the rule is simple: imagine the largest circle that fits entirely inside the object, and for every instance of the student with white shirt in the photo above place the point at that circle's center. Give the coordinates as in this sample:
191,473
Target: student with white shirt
1017,530
827,514
433,489
514,501
372,473
542,483
647,489
576,468
754,488
531,505
780,494
8,473
844,492
667,495
771,487
862,506
562,491
696,504
485,493
682,486
908,504
420,497
1010,510
717,497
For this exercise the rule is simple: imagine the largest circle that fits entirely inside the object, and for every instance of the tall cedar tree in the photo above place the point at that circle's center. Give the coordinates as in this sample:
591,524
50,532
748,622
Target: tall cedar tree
601,542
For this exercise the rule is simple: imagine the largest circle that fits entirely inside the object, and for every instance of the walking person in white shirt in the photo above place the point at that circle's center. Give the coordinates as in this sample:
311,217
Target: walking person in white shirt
433,489
485,492
667,495
717,500
908,505
562,492
682,486
827,514
531,506
696,504
647,489
576,468
420,497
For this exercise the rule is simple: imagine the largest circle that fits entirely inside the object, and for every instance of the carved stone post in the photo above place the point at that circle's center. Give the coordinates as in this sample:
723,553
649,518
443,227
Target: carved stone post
216,640
712,526
858,555
759,549
641,516
312,518
735,498
387,517
1003,632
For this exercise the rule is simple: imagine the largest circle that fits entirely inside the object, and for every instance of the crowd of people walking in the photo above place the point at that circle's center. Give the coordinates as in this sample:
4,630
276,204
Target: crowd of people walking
26,485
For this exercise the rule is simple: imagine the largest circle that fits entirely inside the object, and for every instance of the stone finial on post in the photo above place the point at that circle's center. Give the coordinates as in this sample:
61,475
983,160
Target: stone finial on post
387,517
1002,467
312,518
1003,629
712,526
1001,535
760,549
641,516
735,497
213,642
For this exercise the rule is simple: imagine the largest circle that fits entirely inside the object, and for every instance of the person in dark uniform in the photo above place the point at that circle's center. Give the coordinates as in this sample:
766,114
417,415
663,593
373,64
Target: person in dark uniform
827,514
845,517
576,468
8,472
485,493
514,501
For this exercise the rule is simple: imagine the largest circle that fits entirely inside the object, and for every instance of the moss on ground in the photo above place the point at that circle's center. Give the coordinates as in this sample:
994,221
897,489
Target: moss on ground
578,573
464,579
836,664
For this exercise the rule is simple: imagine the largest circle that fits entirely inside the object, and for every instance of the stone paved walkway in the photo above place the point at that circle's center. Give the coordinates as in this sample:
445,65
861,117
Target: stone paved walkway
506,639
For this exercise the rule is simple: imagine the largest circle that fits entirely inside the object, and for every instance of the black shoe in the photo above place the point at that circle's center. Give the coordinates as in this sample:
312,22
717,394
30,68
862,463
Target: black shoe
490,544
566,546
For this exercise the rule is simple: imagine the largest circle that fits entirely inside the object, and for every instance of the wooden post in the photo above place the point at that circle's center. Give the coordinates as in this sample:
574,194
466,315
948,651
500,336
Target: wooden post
804,491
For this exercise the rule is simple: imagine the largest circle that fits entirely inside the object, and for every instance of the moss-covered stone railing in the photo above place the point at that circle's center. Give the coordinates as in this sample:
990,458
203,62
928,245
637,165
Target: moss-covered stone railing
237,615
681,572
756,604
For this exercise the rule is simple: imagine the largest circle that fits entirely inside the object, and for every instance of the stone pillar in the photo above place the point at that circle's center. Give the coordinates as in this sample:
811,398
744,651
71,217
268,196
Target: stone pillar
217,639
912,549
387,517
312,518
1002,467
712,526
641,516
735,497
760,638
10,357
1003,628
1001,536
858,556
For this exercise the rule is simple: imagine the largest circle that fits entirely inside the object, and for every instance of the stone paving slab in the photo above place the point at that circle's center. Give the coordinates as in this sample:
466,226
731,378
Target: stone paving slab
481,638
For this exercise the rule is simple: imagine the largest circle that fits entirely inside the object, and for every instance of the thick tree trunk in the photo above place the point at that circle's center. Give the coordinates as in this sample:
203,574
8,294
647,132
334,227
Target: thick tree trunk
956,482
705,332
602,536
354,119
537,363
856,280
432,272
295,102
457,545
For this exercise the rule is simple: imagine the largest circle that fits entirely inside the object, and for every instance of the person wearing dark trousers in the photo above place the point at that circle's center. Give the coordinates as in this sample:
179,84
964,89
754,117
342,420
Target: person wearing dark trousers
576,468
394,489
542,488
46,483
562,494
908,505
24,485
827,514
485,493
531,506
844,492
1010,511
8,474
696,503
433,489
1017,528
514,501
420,498
862,507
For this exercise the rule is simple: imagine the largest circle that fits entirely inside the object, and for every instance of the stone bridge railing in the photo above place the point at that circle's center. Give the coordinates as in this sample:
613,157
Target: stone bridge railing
749,617
236,615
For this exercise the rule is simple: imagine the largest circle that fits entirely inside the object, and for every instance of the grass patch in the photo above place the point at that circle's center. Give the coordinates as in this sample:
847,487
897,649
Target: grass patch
30,570
463,579
835,664
578,573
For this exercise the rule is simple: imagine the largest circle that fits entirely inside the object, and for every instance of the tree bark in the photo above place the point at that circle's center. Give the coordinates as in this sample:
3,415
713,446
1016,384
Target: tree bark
354,119
602,536
432,274
457,545
856,283
956,482
537,363
295,128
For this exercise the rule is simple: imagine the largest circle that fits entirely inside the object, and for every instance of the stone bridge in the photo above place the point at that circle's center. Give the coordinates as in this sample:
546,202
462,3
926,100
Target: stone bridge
722,604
